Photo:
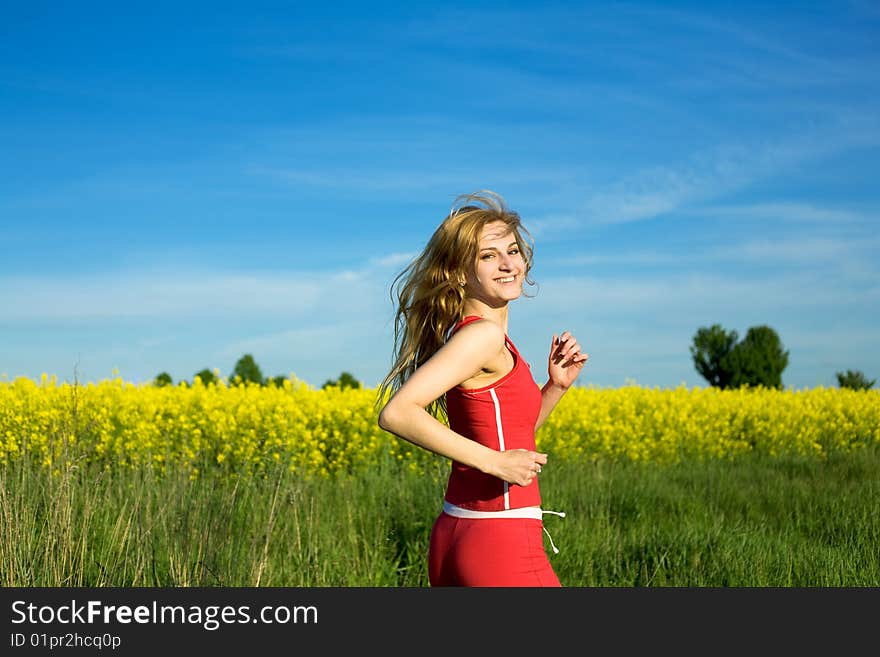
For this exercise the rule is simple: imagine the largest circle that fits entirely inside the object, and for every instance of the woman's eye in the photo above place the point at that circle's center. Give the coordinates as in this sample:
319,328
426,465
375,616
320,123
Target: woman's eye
486,256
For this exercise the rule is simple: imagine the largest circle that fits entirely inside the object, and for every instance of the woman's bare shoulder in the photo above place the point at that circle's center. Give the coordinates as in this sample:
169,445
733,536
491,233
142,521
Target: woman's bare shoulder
483,331
479,342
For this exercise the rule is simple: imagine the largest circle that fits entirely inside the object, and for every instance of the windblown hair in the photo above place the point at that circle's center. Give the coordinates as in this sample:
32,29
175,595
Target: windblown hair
429,293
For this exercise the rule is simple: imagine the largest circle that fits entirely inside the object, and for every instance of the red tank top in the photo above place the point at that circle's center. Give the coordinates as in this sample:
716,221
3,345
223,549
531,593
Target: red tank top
502,416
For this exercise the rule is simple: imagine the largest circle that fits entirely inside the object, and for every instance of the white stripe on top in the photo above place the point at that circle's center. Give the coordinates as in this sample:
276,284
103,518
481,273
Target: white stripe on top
500,441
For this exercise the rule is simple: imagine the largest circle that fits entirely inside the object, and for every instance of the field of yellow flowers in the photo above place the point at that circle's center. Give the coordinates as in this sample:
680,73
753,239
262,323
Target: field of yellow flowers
252,428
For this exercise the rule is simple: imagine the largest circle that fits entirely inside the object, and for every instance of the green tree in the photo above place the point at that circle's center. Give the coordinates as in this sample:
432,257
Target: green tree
345,380
207,376
855,380
759,359
710,351
278,380
163,379
247,370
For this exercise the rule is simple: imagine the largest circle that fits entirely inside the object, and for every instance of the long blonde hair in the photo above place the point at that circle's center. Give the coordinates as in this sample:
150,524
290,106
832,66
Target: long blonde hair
429,292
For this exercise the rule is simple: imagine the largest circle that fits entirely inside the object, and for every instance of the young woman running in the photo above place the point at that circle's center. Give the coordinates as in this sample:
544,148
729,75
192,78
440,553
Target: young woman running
453,358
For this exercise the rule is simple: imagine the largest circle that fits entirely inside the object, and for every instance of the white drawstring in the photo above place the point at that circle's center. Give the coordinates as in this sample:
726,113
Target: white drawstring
561,514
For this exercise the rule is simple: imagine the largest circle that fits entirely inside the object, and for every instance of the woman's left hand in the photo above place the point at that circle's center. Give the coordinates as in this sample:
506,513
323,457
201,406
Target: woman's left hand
566,360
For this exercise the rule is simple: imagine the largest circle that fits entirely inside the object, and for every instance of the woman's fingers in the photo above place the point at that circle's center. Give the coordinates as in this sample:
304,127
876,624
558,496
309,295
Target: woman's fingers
526,465
567,350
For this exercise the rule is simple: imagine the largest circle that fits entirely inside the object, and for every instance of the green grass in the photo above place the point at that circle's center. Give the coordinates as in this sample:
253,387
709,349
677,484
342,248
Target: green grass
754,522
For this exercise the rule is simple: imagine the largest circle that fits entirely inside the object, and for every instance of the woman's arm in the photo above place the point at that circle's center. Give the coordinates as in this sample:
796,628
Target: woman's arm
550,396
564,365
460,358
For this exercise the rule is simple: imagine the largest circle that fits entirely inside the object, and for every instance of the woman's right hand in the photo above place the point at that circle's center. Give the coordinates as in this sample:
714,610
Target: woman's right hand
518,466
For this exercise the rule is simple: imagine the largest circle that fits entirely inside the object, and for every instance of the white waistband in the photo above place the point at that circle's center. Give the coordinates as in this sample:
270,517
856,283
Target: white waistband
534,512
524,512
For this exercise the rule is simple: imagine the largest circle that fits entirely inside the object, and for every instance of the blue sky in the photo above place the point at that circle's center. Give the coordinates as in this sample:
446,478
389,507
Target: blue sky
181,185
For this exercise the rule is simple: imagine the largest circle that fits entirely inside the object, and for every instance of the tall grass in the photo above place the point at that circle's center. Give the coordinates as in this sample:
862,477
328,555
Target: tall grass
755,521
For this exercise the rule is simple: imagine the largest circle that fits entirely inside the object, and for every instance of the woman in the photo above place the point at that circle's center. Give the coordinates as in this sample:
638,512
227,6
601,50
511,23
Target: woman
453,357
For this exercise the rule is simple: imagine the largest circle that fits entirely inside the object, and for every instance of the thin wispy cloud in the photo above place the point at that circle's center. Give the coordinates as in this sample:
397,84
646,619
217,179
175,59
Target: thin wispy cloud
710,176
391,180
181,295
553,227
800,251
393,259
804,252
787,212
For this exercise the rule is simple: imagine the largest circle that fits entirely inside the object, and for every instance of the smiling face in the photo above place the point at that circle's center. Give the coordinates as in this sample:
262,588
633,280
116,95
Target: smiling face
500,268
